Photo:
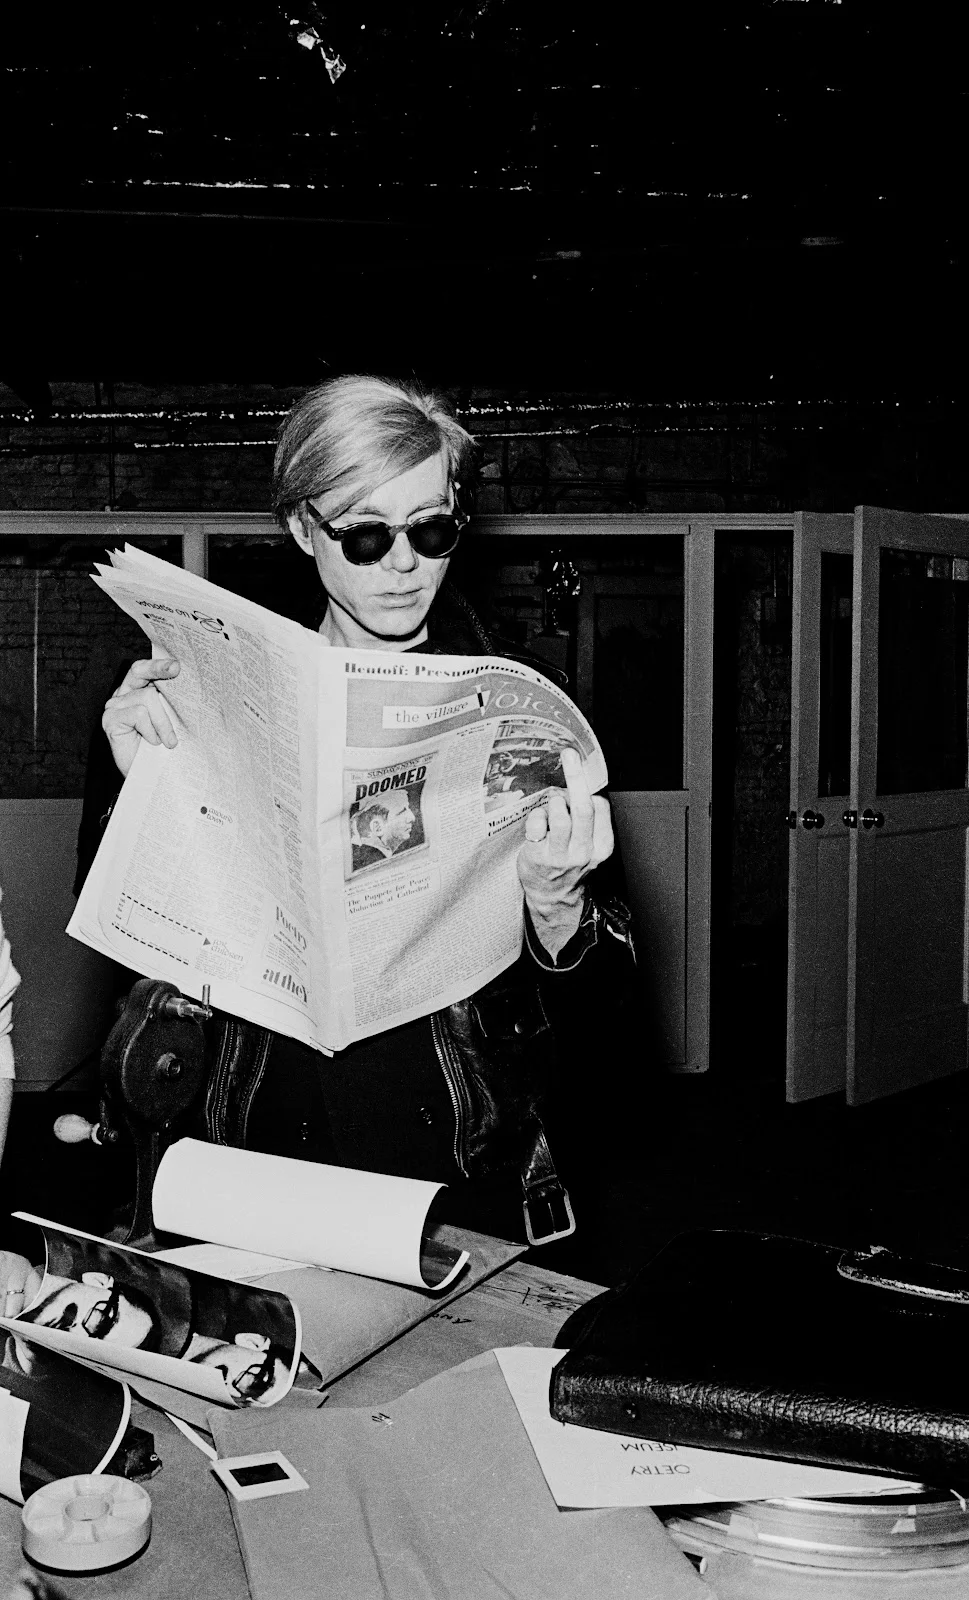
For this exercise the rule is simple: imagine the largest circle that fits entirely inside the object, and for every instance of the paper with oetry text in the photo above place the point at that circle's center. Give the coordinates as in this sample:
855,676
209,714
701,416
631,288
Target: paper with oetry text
584,1467
331,846
362,1222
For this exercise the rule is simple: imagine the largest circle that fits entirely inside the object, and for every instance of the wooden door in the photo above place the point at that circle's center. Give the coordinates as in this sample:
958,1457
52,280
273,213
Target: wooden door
817,995
907,967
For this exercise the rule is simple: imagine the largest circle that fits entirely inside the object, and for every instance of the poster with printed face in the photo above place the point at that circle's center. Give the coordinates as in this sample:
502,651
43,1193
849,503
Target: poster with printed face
229,1343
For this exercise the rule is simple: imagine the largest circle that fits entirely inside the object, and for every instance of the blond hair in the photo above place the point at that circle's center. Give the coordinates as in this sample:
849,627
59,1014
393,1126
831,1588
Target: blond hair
349,435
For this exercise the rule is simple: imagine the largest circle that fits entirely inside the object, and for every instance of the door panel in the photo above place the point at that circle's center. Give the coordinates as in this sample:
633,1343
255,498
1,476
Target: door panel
908,1021
918,890
644,677
817,984
652,832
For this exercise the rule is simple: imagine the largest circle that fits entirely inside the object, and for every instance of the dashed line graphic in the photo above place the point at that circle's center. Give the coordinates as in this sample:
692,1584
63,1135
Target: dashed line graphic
162,950
134,913
162,915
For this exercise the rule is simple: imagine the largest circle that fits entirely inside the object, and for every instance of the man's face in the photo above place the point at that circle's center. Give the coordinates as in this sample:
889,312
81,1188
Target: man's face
383,607
96,1308
248,1368
399,825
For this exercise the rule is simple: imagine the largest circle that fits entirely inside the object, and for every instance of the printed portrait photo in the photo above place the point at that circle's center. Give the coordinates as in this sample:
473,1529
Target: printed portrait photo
383,827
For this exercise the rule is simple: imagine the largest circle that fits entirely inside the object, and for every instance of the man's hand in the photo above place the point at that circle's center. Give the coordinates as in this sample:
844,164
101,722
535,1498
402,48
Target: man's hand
564,840
137,711
19,1282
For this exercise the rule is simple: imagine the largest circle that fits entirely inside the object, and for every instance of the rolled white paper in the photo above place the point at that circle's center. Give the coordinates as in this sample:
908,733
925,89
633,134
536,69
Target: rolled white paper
363,1222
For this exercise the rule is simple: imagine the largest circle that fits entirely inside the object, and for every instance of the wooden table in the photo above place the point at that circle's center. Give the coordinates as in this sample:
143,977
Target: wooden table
193,1550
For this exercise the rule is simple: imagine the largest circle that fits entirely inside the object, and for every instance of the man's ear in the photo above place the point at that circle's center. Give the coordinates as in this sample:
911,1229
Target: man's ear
300,532
97,1280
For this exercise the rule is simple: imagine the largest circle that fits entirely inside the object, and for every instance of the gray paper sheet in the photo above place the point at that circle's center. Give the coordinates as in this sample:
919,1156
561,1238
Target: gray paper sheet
436,1496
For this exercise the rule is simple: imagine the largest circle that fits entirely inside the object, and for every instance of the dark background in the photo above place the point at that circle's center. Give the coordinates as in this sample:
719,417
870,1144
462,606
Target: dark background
703,200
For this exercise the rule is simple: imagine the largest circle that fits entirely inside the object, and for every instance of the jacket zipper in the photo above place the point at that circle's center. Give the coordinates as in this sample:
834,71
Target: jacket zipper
454,1078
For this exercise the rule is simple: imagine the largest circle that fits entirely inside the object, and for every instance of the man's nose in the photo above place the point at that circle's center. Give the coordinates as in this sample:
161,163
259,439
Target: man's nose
401,557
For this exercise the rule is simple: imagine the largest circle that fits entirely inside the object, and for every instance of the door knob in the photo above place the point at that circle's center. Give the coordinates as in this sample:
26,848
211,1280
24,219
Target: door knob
872,819
812,819
850,819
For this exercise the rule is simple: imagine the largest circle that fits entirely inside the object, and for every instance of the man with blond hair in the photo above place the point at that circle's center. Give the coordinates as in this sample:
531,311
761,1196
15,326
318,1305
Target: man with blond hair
369,474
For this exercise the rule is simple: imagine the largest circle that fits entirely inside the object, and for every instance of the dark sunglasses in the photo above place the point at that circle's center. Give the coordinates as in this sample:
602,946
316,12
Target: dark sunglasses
257,1378
366,543
102,1317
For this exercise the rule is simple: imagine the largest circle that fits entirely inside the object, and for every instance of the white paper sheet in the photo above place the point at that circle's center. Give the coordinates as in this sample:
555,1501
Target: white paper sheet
221,1261
363,1222
586,1468
13,1421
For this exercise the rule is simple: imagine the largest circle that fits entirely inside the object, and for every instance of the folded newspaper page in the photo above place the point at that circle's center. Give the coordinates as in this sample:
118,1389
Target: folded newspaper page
128,1314
331,846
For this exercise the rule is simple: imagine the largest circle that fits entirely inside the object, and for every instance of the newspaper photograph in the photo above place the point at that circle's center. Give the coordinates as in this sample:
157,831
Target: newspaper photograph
331,846
132,1315
385,813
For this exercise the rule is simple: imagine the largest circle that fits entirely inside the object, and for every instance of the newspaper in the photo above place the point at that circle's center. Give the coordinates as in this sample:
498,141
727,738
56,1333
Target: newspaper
331,846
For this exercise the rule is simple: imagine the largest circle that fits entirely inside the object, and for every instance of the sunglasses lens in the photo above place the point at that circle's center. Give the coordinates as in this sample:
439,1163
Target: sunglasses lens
367,543
435,536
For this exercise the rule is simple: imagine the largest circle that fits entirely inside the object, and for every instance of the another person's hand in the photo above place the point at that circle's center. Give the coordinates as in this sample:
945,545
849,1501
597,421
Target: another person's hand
19,1282
137,711
565,839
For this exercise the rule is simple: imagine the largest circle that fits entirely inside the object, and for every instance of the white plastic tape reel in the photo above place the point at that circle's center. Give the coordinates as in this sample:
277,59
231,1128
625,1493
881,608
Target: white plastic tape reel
86,1524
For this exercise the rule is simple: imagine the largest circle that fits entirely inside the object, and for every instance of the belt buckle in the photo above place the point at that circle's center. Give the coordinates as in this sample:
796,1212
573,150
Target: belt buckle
552,1198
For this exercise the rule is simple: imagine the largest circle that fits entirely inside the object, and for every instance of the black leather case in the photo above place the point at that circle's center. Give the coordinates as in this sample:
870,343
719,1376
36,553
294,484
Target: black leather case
780,1347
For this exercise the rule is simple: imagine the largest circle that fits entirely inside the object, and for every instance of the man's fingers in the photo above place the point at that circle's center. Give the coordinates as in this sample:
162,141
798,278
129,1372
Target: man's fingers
160,719
603,837
559,824
141,673
536,825
143,712
142,722
580,802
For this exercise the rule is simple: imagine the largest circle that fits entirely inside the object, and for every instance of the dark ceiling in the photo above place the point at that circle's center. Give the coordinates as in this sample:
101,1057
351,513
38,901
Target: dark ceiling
680,198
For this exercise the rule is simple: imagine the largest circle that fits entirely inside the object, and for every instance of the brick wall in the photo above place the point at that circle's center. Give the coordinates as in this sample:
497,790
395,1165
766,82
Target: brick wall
62,642
568,452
